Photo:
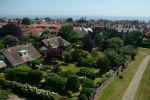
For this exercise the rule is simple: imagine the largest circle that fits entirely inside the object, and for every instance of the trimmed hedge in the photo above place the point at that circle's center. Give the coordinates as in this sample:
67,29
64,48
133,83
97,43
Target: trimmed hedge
28,90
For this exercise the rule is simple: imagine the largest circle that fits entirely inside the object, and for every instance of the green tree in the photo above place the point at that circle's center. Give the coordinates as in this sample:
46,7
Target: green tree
68,33
104,64
26,21
115,58
56,83
128,50
115,43
134,38
73,84
99,40
11,40
87,72
69,20
12,29
88,42
83,97
87,83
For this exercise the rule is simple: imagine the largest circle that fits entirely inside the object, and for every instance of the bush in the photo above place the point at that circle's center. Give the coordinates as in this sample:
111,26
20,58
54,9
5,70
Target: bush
56,83
67,73
104,64
73,84
28,90
88,83
24,75
83,97
87,62
87,91
87,72
121,76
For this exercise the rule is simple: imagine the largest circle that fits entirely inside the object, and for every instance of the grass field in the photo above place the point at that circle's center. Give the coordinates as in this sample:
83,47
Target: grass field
117,88
143,92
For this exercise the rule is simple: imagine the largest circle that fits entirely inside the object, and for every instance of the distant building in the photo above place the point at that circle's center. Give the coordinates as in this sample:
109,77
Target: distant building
84,31
54,42
14,56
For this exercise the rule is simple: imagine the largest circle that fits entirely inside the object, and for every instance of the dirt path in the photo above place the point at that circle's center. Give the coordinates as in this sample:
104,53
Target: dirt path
131,91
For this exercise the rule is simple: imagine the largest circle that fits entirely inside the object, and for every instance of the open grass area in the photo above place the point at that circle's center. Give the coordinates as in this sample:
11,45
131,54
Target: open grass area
117,88
144,50
143,92
4,94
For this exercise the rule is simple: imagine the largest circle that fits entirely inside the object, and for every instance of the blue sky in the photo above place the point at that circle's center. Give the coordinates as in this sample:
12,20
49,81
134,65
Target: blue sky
75,7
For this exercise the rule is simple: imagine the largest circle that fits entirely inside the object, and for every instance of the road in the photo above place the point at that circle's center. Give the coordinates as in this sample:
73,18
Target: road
134,84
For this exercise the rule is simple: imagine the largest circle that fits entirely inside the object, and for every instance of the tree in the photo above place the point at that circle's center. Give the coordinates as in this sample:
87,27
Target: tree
83,97
11,29
87,62
68,33
115,43
69,20
88,42
10,40
128,50
87,72
53,54
87,83
99,40
115,58
26,21
97,54
56,83
134,38
87,91
73,84
67,74
104,64
35,76
82,20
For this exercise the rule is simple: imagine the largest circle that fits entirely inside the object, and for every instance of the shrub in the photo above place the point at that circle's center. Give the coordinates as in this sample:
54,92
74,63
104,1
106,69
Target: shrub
104,64
56,83
87,72
87,62
28,90
87,91
73,84
67,73
83,97
88,83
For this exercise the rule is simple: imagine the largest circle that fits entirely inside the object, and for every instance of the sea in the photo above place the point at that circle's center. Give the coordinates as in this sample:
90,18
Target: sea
113,18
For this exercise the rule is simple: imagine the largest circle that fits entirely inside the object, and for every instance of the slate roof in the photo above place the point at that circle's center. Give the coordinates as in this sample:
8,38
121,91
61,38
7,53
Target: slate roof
56,41
14,58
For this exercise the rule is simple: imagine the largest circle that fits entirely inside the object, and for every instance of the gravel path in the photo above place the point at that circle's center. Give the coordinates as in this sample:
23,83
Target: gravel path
131,91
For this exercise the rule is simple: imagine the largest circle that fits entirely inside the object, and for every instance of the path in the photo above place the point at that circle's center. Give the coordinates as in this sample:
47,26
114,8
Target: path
14,97
131,91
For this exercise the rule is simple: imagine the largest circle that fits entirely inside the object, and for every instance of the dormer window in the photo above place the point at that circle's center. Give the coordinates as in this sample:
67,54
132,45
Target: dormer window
23,53
2,58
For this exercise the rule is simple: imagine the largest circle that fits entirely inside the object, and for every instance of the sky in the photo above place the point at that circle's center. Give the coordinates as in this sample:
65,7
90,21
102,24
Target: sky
75,7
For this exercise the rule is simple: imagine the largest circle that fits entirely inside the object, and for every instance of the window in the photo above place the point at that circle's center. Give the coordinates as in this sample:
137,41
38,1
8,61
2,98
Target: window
2,57
23,53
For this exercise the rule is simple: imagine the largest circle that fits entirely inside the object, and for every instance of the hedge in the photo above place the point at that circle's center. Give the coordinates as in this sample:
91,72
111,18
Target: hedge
28,90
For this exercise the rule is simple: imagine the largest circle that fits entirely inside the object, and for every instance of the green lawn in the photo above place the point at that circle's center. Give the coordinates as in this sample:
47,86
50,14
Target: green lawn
143,92
117,88
144,50
4,94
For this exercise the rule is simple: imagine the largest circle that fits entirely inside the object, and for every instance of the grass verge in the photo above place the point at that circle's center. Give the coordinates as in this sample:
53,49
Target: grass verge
117,88
144,87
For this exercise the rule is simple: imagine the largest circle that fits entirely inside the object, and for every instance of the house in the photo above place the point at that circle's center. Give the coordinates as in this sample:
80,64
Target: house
54,42
14,56
84,31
